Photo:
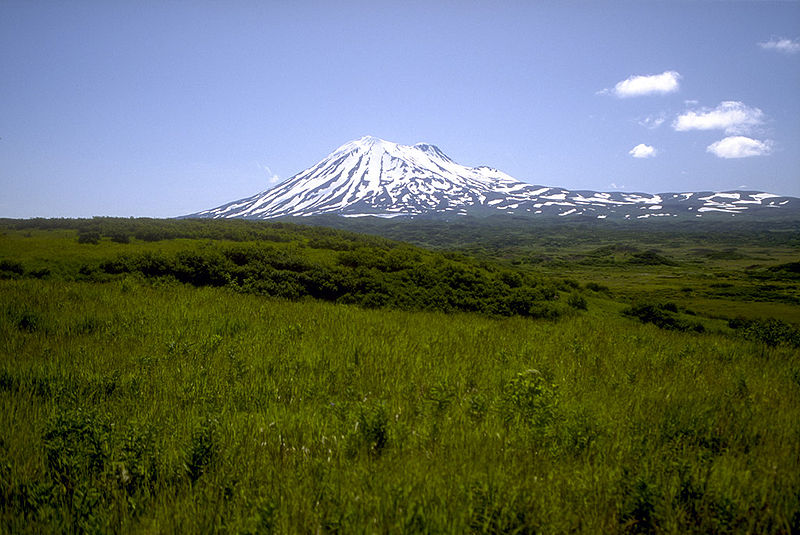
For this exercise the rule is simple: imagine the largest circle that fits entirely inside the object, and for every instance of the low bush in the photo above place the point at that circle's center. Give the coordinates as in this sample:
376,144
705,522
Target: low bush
662,315
773,332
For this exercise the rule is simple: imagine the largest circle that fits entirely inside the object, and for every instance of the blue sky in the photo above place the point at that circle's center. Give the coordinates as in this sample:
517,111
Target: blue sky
164,108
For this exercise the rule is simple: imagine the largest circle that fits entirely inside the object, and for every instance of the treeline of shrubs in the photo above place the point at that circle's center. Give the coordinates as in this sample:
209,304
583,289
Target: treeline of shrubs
122,230
399,277
503,232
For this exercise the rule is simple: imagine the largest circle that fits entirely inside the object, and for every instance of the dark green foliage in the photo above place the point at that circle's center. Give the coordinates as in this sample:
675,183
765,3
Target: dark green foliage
89,236
593,286
530,398
789,271
503,233
650,258
577,301
772,331
371,277
10,269
792,268
121,230
373,423
662,315
202,450
137,468
76,444
638,513
23,317
119,237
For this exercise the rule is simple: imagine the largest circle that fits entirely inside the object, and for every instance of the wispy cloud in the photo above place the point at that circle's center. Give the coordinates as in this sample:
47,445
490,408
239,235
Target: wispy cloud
739,147
272,178
653,121
787,46
731,116
643,151
641,85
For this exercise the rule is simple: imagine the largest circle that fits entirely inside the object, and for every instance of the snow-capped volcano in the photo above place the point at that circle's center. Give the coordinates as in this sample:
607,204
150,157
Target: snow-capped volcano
370,176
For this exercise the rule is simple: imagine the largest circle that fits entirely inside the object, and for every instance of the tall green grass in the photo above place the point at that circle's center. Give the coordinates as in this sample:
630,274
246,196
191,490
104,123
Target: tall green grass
134,406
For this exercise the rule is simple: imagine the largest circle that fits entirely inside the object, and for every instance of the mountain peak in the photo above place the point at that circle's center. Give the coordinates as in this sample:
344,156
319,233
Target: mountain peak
371,176
372,143
363,143
369,140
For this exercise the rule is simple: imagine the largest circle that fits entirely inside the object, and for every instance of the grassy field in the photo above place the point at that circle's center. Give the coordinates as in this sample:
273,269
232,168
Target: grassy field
137,403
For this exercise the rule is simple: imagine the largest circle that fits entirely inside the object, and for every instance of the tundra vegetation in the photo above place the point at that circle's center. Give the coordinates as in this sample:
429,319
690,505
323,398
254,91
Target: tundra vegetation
246,377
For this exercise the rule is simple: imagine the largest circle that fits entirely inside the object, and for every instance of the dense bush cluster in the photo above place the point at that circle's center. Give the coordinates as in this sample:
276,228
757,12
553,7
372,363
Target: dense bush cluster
662,315
397,277
789,270
773,332
11,269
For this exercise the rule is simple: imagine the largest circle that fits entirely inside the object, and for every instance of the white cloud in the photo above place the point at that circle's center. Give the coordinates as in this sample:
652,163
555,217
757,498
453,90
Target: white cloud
643,151
731,116
654,84
653,121
739,147
787,46
272,178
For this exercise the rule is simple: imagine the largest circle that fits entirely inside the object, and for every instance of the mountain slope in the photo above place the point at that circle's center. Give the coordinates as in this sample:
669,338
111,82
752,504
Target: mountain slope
370,176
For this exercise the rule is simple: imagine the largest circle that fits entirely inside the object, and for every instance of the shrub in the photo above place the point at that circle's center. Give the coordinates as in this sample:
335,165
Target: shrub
120,237
10,269
662,315
593,286
650,258
25,319
202,450
371,432
576,301
89,236
772,332
529,397
638,512
76,448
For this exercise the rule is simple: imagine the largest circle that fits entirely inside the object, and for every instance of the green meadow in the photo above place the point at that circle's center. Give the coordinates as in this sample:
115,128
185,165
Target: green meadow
244,377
